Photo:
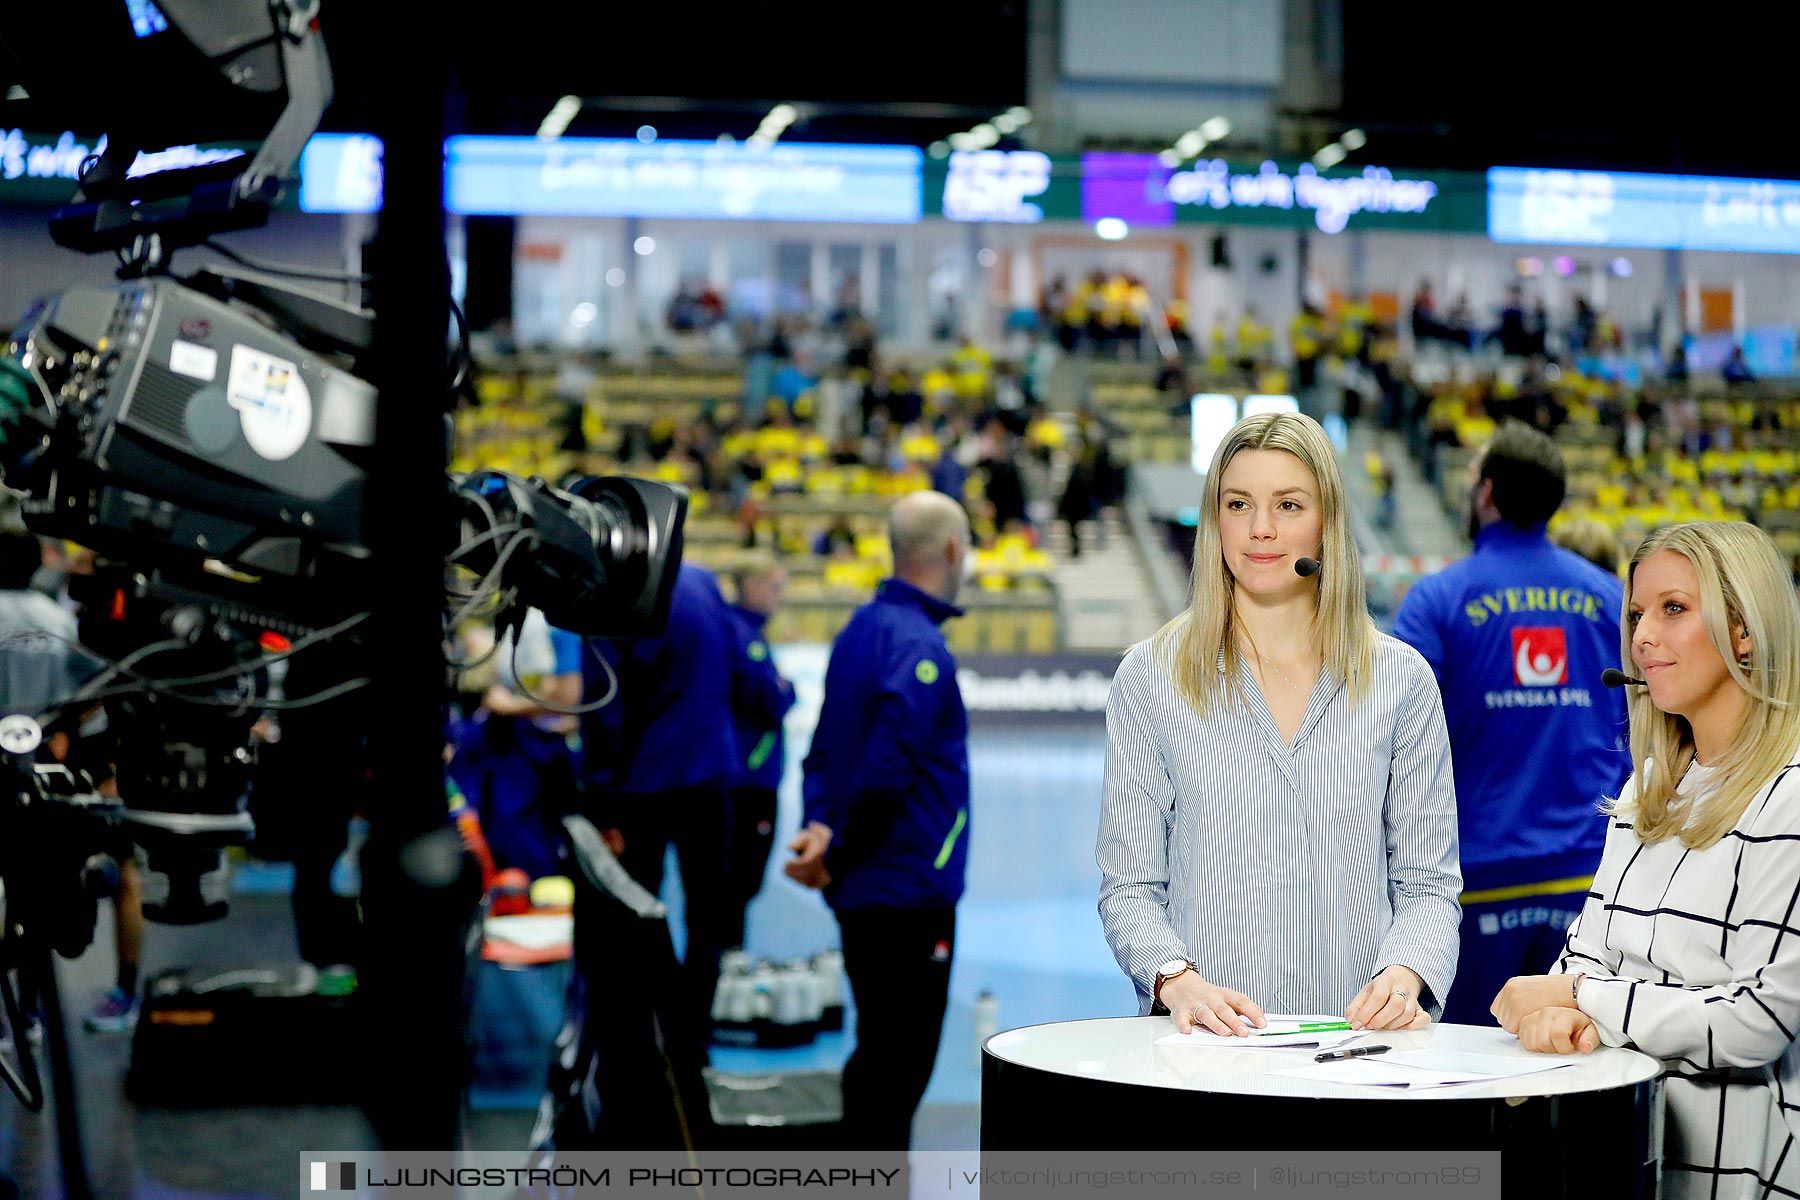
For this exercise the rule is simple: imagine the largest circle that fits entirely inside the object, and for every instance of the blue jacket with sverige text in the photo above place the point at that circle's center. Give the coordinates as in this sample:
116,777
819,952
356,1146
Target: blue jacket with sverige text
1518,634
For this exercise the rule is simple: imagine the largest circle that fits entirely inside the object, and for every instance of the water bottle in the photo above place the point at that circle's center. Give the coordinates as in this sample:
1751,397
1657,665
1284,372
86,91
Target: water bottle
763,985
721,1005
789,999
828,973
811,995
828,969
740,999
987,1020
346,873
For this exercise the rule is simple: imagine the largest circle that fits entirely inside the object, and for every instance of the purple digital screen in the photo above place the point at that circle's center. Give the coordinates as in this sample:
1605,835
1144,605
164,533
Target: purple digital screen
1132,187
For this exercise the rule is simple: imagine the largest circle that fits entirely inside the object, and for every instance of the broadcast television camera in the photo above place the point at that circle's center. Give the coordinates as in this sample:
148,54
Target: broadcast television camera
212,437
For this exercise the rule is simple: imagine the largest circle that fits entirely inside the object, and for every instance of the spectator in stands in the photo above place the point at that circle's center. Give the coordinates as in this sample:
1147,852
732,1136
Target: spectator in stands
794,380
1517,622
948,475
1592,540
1739,493
760,699
698,306
1080,495
1736,370
1537,404
844,452
837,540
1040,360
1632,436
1677,370
1584,327
1176,319
1356,328
849,305
1459,326
1004,487
894,392
1308,337
1050,308
887,814
859,347
1381,483
1253,341
1721,437
1512,333
780,344
1172,384
1425,324
972,368
1009,394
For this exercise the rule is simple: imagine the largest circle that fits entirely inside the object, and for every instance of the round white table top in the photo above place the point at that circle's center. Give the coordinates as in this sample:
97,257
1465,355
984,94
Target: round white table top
1125,1050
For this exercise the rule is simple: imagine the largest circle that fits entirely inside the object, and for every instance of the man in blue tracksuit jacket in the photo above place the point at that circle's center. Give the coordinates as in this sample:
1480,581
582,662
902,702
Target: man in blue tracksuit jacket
659,761
887,817
1518,634
760,699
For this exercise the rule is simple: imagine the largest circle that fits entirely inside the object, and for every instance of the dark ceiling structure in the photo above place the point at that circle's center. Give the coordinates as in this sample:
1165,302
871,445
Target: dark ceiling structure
1685,90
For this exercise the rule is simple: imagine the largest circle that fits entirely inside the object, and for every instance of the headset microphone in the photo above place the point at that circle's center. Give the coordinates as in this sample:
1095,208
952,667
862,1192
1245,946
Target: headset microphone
1306,568
1612,677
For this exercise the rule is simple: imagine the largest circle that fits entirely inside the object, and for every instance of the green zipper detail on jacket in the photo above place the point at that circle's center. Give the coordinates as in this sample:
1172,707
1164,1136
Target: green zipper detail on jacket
962,818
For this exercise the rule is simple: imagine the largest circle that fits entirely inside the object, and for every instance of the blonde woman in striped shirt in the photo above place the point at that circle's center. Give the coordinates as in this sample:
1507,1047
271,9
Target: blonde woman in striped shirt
1278,828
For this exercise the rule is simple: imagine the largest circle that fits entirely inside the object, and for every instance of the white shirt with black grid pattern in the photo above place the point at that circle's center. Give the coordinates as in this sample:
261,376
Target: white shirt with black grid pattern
1693,956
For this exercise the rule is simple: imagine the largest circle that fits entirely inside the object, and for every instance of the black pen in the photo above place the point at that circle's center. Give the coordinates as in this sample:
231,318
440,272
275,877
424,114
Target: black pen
1354,1052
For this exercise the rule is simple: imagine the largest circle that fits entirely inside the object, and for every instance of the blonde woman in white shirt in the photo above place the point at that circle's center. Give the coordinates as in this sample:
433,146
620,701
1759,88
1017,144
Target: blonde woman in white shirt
1689,945
1278,822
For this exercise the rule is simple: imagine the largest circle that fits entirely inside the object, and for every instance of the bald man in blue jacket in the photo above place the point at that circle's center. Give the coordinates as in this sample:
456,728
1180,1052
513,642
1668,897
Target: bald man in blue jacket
887,816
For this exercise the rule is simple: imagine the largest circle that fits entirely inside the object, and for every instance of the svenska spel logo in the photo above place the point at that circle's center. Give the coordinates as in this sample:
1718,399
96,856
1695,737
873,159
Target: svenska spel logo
1540,656
333,1176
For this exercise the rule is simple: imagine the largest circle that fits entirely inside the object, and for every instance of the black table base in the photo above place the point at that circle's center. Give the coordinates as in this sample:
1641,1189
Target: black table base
1582,1144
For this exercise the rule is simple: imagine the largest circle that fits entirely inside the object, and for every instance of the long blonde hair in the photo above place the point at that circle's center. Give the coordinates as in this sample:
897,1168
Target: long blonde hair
1743,585
1188,647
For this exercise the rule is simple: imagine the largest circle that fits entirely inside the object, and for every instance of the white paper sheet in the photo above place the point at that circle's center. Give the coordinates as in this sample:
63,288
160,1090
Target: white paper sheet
1494,1066
1415,1069
1282,1032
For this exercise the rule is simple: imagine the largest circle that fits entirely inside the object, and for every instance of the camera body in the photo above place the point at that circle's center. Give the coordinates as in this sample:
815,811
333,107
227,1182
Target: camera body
180,427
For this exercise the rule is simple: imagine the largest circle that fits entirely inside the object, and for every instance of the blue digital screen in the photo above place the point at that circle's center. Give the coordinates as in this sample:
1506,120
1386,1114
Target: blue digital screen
607,177
146,18
1612,208
1770,351
341,173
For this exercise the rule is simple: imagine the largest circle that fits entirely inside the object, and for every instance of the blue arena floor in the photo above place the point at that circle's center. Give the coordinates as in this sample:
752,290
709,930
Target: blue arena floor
1027,930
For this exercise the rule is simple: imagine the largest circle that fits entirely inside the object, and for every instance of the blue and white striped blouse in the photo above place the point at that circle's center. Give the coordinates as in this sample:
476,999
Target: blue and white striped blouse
1292,873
